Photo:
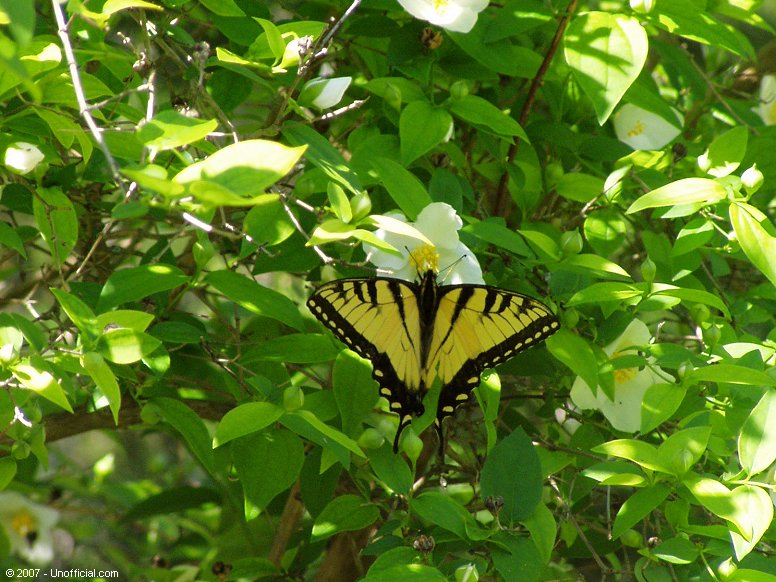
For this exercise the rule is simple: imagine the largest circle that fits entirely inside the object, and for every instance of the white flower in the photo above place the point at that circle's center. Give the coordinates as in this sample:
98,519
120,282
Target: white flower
767,109
440,224
643,130
28,527
455,15
324,93
630,384
22,157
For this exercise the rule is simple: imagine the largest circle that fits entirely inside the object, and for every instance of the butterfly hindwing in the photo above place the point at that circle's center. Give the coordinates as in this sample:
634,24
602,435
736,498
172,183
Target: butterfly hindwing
378,319
479,327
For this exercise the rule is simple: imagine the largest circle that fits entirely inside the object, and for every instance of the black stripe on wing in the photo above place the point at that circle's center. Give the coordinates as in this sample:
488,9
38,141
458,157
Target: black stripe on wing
348,296
530,321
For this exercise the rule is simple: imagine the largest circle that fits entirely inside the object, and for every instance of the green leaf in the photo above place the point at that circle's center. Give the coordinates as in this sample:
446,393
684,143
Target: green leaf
576,354
615,473
323,155
190,426
306,424
685,18
603,292
77,311
686,191
592,265
339,202
294,348
126,346
711,494
268,463
521,489
677,550
543,529
693,296
7,471
406,573
579,187
105,380
606,53
355,392
267,222
730,374
757,441
403,186
245,168
684,448
112,6
759,246
256,298
9,238
515,557
637,507
482,113
34,376
169,129
641,453
726,151
421,128
344,513
605,230
246,419
176,332
391,469
129,318
753,516
695,233
497,234
173,500
274,38
660,403
57,222
136,283
443,511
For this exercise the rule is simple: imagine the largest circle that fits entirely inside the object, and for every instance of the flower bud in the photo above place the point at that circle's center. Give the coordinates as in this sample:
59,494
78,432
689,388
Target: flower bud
571,242
752,179
293,398
411,444
22,157
371,438
642,6
324,93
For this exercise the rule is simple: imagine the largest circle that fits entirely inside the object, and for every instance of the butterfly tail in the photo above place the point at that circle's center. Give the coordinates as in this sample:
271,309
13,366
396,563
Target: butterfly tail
402,426
441,436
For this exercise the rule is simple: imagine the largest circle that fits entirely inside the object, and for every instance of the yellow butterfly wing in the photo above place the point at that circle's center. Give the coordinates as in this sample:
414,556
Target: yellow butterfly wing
478,327
378,318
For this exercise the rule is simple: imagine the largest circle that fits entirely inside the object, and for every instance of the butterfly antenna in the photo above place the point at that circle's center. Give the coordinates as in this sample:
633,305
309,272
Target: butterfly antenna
449,268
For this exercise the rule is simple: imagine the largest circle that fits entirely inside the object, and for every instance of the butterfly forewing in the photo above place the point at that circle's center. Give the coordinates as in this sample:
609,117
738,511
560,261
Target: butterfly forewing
378,319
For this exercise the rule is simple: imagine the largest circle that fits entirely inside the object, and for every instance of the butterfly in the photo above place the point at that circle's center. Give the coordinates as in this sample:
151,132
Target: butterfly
415,332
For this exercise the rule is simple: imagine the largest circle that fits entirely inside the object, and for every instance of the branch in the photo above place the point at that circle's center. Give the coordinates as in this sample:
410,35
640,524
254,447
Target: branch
502,197
60,426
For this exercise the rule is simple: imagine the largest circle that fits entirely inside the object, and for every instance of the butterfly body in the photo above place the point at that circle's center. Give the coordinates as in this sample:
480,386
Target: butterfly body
414,333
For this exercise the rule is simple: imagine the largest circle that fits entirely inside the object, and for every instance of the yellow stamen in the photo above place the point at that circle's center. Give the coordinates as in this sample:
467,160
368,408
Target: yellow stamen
637,129
425,257
623,375
440,5
23,523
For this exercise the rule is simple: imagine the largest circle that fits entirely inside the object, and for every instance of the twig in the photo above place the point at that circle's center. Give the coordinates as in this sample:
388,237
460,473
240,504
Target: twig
500,205
80,96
